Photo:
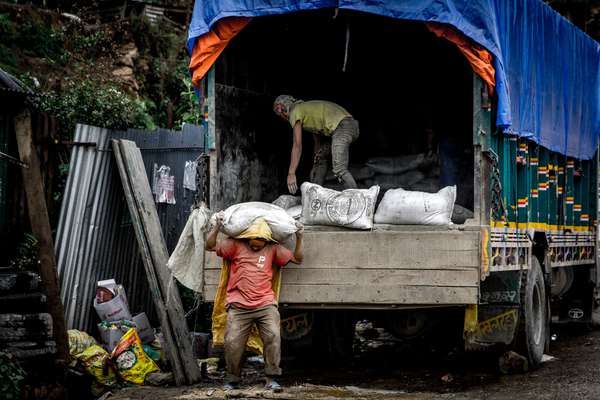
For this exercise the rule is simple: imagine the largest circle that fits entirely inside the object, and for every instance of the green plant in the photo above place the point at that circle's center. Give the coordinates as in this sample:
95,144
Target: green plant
40,40
26,255
7,28
188,109
11,377
88,102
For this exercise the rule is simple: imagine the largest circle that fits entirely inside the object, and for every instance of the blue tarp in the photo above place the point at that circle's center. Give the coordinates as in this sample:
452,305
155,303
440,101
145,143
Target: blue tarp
547,70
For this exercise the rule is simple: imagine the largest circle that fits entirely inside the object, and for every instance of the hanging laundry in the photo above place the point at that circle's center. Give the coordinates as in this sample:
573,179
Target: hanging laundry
164,185
189,175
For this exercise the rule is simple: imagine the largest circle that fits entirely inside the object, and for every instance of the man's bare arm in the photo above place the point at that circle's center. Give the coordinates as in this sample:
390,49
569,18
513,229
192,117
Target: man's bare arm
295,158
298,254
211,239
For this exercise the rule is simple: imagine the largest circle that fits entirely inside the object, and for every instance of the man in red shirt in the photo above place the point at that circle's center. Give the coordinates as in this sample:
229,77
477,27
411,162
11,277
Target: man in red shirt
250,296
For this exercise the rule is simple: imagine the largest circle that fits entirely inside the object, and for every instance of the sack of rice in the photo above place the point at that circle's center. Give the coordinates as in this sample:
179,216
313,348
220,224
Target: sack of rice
239,217
403,207
286,201
351,208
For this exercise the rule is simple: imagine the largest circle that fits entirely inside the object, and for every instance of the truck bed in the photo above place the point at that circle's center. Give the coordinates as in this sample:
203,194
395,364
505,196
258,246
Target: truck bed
390,266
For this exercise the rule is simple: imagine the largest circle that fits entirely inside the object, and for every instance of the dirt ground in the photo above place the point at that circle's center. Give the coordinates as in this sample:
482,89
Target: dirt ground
386,370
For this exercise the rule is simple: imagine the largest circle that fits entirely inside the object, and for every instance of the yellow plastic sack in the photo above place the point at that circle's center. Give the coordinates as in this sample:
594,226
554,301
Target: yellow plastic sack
133,364
95,361
259,229
78,342
219,315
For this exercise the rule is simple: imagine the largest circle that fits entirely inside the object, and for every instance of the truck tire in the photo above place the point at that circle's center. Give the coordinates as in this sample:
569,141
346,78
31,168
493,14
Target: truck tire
533,315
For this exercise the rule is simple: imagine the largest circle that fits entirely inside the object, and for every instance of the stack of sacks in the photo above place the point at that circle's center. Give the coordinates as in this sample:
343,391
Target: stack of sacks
417,172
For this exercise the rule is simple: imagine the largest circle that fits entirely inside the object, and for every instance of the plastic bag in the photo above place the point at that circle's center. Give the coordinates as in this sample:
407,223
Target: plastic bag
78,342
403,207
96,362
133,364
187,258
351,208
239,217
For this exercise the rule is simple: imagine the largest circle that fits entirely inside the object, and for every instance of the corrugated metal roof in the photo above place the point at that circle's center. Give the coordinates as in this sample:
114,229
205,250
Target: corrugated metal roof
12,84
95,238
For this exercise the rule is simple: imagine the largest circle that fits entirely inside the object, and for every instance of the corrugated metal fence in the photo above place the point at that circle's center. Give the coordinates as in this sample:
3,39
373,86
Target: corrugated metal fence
95,238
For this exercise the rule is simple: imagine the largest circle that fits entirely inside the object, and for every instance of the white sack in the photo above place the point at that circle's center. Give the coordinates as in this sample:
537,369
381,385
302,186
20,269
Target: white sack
186,261
286,201
295,212
351,208
403,207
239,217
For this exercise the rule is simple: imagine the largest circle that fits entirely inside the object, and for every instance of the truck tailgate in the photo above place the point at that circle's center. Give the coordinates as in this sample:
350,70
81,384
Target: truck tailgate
383,267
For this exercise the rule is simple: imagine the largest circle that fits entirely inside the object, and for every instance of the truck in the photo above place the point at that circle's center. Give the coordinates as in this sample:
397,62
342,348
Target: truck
527,257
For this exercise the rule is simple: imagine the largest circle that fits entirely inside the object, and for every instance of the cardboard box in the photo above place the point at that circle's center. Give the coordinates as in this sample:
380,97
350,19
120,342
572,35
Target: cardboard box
115,309
144,329
110,337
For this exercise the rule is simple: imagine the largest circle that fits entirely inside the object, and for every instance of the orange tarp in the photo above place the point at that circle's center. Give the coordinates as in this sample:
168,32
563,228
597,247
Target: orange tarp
479,58
209,46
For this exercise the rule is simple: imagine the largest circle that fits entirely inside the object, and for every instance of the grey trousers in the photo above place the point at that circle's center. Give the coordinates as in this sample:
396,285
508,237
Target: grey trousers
237,330
339,148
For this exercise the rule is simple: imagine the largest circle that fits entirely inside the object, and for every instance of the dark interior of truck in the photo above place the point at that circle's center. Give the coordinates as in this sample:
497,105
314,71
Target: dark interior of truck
395,77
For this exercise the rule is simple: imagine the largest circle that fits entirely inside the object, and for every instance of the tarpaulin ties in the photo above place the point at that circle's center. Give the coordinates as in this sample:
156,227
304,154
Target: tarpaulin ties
347,44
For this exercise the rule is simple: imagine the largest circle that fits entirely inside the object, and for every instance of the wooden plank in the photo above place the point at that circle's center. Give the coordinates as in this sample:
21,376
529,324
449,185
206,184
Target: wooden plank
371,294
40,226
171,349
25,327
314,276
144,202
29,350
386,249
19,282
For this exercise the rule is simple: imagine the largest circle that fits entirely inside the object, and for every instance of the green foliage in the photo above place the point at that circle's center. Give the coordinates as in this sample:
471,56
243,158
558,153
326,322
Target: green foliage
26,255
7,29
90,103
11,377
188,109
40,40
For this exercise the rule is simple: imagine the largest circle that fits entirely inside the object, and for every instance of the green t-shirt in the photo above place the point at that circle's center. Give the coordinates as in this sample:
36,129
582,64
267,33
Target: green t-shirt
318,116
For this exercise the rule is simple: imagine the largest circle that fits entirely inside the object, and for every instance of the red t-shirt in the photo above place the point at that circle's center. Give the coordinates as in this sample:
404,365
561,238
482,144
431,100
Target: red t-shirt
251,272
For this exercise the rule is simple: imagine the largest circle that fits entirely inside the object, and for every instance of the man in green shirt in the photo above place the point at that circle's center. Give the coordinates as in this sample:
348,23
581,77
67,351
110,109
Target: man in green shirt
333,128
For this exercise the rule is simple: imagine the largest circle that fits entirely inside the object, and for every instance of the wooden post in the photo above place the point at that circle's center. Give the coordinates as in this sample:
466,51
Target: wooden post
170,347
40,226
150,236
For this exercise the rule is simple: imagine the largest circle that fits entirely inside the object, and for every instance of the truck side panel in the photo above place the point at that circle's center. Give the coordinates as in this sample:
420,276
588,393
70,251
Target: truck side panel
379,268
